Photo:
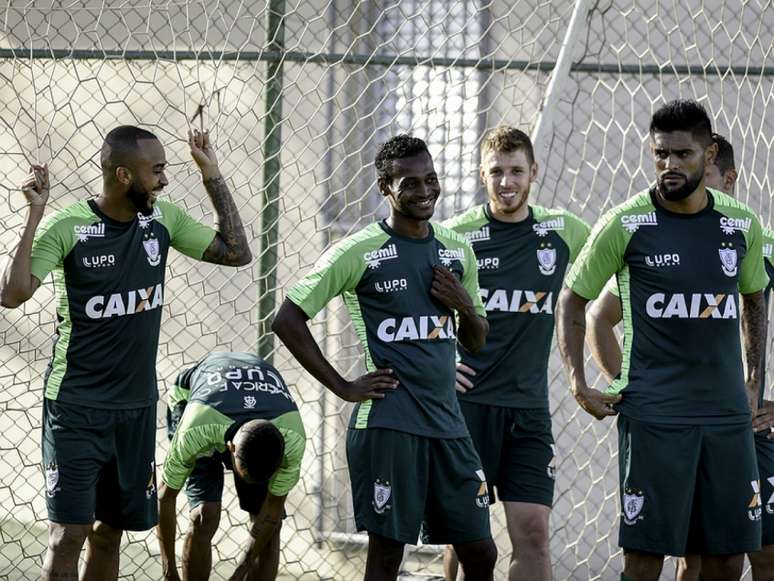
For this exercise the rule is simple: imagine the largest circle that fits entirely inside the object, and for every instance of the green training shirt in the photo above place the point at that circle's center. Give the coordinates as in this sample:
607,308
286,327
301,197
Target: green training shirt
109,284
384,279
212,399
679,278
521,267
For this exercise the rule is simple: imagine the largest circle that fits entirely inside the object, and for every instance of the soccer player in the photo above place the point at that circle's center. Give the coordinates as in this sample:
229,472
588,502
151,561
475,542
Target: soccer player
682,255
108,257
411,288
605,313
523,251
229,409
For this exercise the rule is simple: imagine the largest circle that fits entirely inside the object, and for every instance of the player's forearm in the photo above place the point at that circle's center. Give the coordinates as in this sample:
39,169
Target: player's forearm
17,283
473,330
604,346
571,331
230,246
290,325
166,529
754,333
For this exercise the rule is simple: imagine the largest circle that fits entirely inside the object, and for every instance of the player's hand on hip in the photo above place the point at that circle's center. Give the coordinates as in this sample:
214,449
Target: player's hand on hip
373,385
598,404
203,153
763,418
463,382
447,289
35,186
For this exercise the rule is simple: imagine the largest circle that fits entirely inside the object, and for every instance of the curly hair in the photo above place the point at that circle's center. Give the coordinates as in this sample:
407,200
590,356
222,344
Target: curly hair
398,147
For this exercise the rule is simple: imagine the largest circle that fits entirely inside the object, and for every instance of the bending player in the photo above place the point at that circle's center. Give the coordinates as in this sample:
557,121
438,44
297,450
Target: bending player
682,255
404,281
232,410
108,256
522,252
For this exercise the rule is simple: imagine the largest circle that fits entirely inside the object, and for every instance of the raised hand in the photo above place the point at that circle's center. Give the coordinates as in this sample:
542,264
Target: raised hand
447,289
203,153
374,385
35,186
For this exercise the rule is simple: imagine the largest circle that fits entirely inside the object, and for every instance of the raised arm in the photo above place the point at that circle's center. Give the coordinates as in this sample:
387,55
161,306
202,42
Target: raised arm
571,331
473,328
290,325
601,318
17,283
754,333
229,247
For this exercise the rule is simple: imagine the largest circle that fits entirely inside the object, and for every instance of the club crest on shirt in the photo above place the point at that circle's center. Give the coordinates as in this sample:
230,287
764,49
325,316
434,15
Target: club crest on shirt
382,495
546,256
728,260
151,246
633,501
250,402
52,479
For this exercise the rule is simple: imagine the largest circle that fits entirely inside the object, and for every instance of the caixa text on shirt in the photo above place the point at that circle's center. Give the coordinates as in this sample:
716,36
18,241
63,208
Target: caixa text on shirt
425,327
124,303
692,306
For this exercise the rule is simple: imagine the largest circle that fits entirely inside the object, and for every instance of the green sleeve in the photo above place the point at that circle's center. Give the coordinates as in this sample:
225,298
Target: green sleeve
612,287
600,258
182,388
336,271
752,275
187,235
470,280
53,242
289,472
577,232
189,444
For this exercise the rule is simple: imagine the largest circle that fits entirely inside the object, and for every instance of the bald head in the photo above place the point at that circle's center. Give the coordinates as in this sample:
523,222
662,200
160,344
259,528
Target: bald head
258,450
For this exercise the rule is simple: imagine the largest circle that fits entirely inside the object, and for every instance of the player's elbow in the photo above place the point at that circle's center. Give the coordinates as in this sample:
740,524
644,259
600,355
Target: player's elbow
10,299
244,257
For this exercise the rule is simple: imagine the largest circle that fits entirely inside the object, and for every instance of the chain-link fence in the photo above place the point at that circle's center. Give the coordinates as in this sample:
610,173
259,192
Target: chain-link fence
299,93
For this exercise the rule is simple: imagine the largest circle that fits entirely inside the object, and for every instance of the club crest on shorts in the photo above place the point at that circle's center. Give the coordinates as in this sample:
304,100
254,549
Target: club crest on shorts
382,495
151,246
482,496
728,260
633,501
546,256
52,479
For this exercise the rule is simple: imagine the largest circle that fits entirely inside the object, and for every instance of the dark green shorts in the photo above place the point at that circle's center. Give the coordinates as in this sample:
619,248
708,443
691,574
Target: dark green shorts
688,489
516,448
99,464
205,484
764,450
402,482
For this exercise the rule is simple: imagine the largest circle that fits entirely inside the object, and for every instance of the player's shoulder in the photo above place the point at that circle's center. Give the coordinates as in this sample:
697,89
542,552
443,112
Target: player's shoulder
371,235
470,220
449,237
730,206
555,218
77,214
630,215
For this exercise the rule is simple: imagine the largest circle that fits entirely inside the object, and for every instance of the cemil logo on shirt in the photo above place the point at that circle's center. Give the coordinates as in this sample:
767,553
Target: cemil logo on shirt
84,232
481,235
632,222
543,228
448,255
731,225
374,258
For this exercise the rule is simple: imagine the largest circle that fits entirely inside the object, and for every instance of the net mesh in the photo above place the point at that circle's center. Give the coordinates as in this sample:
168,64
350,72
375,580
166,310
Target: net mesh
318,94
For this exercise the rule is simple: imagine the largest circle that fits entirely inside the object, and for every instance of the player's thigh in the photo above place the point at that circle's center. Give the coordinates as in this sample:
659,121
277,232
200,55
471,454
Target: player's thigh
389,474
658,466
727,509
205,483
75,448
527,472
488,426
457,510
527,523
126,491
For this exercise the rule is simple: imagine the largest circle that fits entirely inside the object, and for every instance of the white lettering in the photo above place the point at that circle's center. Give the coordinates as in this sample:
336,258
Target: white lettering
121,304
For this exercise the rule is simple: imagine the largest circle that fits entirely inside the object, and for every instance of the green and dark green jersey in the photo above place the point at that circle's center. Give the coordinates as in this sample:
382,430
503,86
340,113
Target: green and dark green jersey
385,279
679,278
521,267
212,399
109,284
768,259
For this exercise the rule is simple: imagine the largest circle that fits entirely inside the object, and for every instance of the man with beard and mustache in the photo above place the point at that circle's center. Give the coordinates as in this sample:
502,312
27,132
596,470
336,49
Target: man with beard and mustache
522,251
682,256
404,280
108,257
605,313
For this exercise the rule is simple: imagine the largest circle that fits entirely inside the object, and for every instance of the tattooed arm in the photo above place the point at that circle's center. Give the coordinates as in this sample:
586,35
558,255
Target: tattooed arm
229,247
754,333
571,331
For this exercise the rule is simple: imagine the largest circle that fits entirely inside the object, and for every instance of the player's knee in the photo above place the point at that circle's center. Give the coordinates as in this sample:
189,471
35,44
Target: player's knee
640,565
205,519
531,535
66,540
763,564
477,558
105,537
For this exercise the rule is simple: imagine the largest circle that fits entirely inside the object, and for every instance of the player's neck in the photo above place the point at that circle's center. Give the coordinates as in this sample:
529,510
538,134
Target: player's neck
116,207
692,204
408,227
512,218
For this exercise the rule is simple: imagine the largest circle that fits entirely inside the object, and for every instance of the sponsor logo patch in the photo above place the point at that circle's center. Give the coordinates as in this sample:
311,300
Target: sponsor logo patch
481,235
145,220
543,228
84,232
425,327
632,222
374,258
449,255
661,260
731,225
126,303
101,261
518,301
491,263
391,286
691,306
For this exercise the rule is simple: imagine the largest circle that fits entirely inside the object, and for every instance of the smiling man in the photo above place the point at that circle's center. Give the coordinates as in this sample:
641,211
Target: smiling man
412,291
683,256
108,257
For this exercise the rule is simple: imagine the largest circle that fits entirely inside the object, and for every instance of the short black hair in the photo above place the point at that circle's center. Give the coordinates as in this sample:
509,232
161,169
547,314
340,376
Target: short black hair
120,147
398,147
260,449
725,157
683,115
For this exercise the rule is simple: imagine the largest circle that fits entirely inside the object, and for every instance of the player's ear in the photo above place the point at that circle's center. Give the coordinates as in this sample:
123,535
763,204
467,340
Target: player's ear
710,153
124,175
231,447
729,179
384,187
533,172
